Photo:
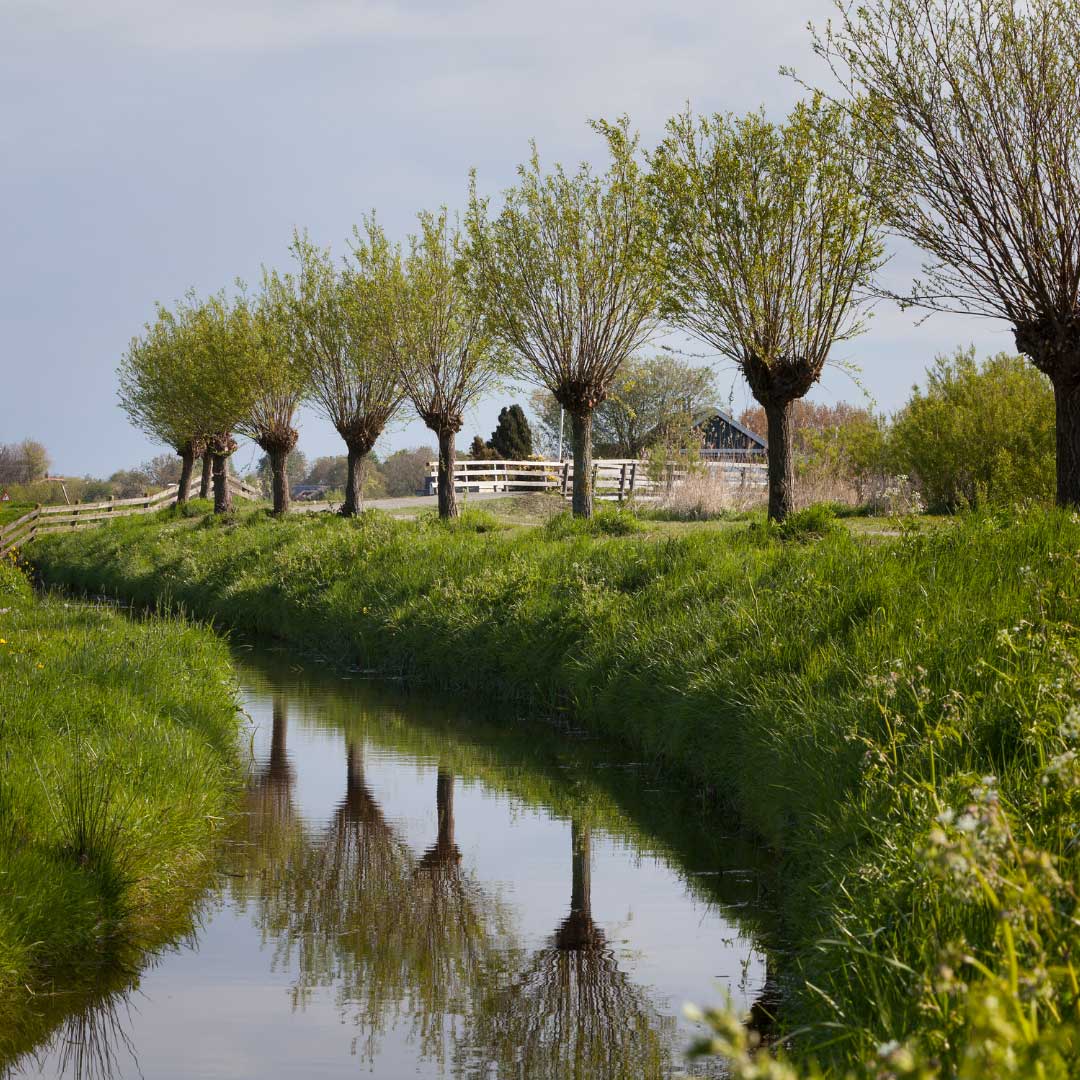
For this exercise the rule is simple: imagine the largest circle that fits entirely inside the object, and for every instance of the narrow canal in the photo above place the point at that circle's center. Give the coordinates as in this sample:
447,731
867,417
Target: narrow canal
410,891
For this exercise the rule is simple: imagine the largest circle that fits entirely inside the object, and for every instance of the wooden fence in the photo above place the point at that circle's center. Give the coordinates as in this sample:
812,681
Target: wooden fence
66,517
612,478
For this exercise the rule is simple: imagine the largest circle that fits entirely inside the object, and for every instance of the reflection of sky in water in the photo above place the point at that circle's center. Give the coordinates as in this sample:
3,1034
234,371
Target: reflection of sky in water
225,1008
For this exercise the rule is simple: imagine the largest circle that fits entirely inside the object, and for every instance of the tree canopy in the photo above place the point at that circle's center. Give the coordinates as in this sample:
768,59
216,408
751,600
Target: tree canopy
343,327
445,357
771,244
568,273
975,112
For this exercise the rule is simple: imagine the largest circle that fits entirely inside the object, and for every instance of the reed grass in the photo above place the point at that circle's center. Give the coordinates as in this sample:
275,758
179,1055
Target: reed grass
894,717
118,749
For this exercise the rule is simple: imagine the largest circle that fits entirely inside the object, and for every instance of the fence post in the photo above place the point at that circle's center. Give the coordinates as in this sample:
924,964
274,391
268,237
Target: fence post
633,477
622,481
565,477
595,470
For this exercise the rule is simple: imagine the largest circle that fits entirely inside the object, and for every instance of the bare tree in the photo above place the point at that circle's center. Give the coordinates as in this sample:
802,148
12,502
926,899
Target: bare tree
445,358
568,274
341,319
771,244
976,110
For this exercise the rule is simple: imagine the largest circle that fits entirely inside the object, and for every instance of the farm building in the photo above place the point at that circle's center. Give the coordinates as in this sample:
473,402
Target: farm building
724,437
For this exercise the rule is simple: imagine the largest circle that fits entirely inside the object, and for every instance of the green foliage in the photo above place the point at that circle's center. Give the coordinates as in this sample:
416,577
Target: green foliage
847,697
769,235
119,744
979,433
405,472
568,269
156,379
342,321
481,451
445,355
512,439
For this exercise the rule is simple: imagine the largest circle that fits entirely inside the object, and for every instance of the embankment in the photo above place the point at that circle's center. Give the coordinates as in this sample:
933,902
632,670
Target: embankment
119,759
892,717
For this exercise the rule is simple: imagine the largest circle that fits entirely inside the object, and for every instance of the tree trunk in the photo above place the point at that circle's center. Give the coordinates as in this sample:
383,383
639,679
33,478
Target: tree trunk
781,461
582,502
578,931
1067,426
187,465
222,491
354,481
448,504
279,755
444,805
279,460
581,869
204,483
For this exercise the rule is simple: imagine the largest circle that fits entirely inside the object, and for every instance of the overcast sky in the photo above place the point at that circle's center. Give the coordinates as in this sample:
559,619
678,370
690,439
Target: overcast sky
147,147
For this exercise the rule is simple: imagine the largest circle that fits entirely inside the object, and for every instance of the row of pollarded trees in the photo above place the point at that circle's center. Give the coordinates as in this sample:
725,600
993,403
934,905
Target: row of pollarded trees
354,340
959,129
566,281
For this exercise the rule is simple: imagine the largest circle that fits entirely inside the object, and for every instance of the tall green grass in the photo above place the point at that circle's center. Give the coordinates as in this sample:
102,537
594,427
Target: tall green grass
118,751
893,717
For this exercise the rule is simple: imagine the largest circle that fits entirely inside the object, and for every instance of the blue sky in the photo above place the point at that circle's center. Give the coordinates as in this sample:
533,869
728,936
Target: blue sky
151,146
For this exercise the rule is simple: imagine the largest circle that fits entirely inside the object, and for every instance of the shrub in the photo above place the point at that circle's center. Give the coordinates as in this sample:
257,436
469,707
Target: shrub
978,434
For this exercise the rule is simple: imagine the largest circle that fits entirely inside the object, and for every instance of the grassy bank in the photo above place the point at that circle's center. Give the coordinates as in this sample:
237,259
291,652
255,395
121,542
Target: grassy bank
118,742
893,716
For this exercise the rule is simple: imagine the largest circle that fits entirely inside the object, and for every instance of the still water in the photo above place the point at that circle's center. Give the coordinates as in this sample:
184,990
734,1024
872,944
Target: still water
414,892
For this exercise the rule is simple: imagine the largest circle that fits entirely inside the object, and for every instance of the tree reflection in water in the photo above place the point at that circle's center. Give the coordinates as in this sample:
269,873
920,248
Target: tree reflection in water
413,941
398,939
91,1044
569,1012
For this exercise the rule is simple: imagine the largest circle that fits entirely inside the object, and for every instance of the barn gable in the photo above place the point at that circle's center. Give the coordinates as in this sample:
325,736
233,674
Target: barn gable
723,435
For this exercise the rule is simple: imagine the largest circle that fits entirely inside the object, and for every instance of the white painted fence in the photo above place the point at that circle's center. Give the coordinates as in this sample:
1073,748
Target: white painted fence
613,478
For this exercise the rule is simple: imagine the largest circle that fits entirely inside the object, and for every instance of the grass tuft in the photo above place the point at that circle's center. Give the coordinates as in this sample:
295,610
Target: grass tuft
118,743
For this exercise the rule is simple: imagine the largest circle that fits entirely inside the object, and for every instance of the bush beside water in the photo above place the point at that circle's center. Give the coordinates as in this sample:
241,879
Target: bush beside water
893,717
119,755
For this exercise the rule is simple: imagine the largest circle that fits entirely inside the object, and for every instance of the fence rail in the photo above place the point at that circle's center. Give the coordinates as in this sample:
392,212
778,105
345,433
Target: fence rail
612,478
66,517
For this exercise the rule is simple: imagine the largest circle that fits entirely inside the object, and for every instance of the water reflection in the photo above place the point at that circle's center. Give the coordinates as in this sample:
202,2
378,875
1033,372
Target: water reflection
424,955
569,1011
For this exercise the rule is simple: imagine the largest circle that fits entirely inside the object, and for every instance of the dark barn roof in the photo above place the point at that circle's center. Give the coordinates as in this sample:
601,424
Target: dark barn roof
722,431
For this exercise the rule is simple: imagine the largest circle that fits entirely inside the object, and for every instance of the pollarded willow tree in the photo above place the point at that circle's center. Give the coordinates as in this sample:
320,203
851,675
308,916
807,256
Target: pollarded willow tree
569,275
154,374
278,370
343,326
221,385
978,127
771,245
445,357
